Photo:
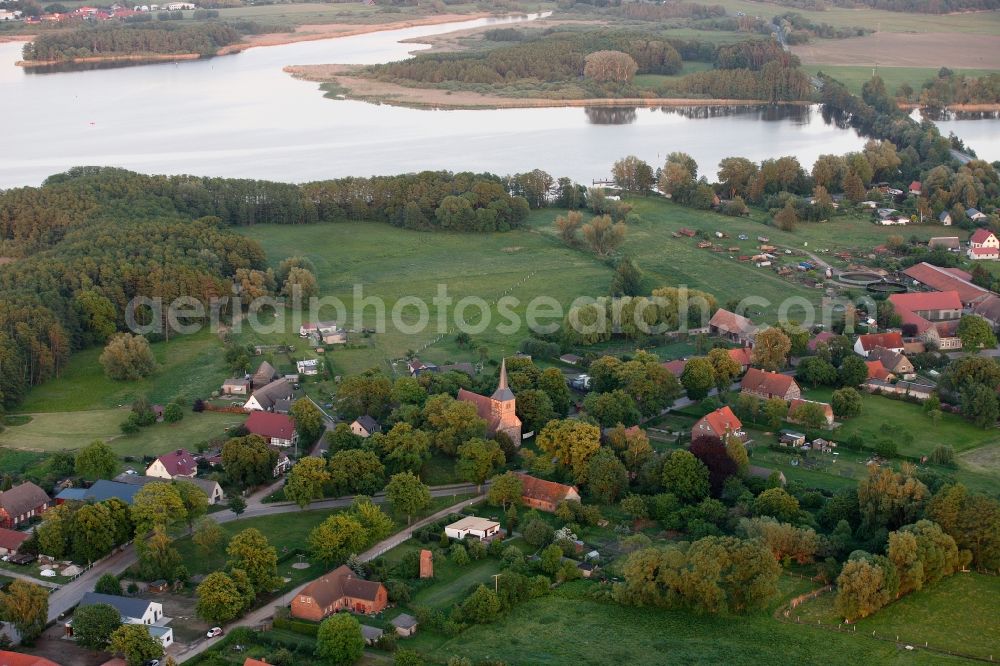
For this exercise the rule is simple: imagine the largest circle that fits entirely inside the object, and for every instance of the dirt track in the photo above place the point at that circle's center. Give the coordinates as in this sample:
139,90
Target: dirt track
896,49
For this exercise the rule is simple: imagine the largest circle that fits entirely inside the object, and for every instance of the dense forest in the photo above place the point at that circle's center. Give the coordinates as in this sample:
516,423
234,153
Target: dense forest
949,88
134,39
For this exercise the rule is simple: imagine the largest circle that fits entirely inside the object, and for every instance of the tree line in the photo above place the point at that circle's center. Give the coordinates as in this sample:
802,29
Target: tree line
129,39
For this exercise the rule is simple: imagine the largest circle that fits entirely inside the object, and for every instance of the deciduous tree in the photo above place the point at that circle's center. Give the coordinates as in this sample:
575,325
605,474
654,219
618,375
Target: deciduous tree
96,461
135,644
339,640
407,494
128,357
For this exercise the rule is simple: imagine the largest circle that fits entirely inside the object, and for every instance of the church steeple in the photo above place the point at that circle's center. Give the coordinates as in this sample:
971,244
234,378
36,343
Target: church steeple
503,392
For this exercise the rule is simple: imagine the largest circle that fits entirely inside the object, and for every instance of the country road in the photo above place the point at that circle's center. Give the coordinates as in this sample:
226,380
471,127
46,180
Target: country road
257,616
68,595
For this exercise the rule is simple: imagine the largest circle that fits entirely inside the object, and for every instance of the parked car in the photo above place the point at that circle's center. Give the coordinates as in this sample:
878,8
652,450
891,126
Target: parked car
214,631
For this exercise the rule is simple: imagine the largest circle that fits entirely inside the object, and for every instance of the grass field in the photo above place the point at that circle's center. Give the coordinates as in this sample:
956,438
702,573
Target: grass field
58,431
854,76
957,614
190,365
568,628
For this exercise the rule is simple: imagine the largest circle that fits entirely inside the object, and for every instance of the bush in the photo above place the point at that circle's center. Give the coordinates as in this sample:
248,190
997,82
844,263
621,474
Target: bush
943,455
296,626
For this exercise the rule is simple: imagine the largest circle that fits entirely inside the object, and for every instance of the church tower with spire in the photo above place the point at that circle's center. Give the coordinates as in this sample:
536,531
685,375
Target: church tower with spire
499,410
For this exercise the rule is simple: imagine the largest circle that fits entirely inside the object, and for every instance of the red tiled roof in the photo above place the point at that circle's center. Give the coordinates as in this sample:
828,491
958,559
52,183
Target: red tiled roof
269,424
741,355
179,463
340,583
8,658
675,367
981,236
720,421
915,186
768,383
731,322
984,251
12,539
934,300
546,491
254,662
946,279
888,340
877,371
822,336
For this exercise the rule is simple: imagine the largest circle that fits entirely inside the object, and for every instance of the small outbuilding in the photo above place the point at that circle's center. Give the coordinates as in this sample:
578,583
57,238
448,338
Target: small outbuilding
405,624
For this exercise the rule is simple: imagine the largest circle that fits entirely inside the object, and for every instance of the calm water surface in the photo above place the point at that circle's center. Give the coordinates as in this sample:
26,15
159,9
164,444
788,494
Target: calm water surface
242,116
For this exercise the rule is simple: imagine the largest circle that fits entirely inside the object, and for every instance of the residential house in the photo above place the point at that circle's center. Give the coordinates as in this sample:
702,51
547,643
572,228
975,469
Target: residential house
283,464
265,375
934,314
277,429
417,367
341,589
178,464
765,385
795,404
133,611
869,341
22,503
405,624
11,540
308,367
545,495
894,362
213,491
481,528
250,661
570,359
743,356
816,340
498,410
676,367
945,218
365,426
272,397
718,424
984,238
733,327
915,188
102,490
975,215
236,386
937,278
989,309
878,371
983,253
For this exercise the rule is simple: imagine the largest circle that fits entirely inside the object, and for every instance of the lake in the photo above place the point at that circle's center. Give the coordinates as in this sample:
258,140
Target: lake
242,116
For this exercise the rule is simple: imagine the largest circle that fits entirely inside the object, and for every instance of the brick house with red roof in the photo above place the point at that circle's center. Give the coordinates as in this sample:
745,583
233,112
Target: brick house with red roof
866,343
341,589
179,464
545,495
718,424
878,371
819,338
765,385
741,355
277,429
938,278
498,410
934,314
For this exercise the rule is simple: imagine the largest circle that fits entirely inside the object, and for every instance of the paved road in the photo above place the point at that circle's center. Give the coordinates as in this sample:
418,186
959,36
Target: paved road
67,596
256,617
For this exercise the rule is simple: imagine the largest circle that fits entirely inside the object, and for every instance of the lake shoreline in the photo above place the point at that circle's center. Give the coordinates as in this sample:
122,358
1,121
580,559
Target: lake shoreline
302,33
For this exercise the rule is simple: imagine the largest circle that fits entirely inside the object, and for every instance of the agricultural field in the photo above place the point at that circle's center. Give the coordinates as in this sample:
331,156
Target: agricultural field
957,614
